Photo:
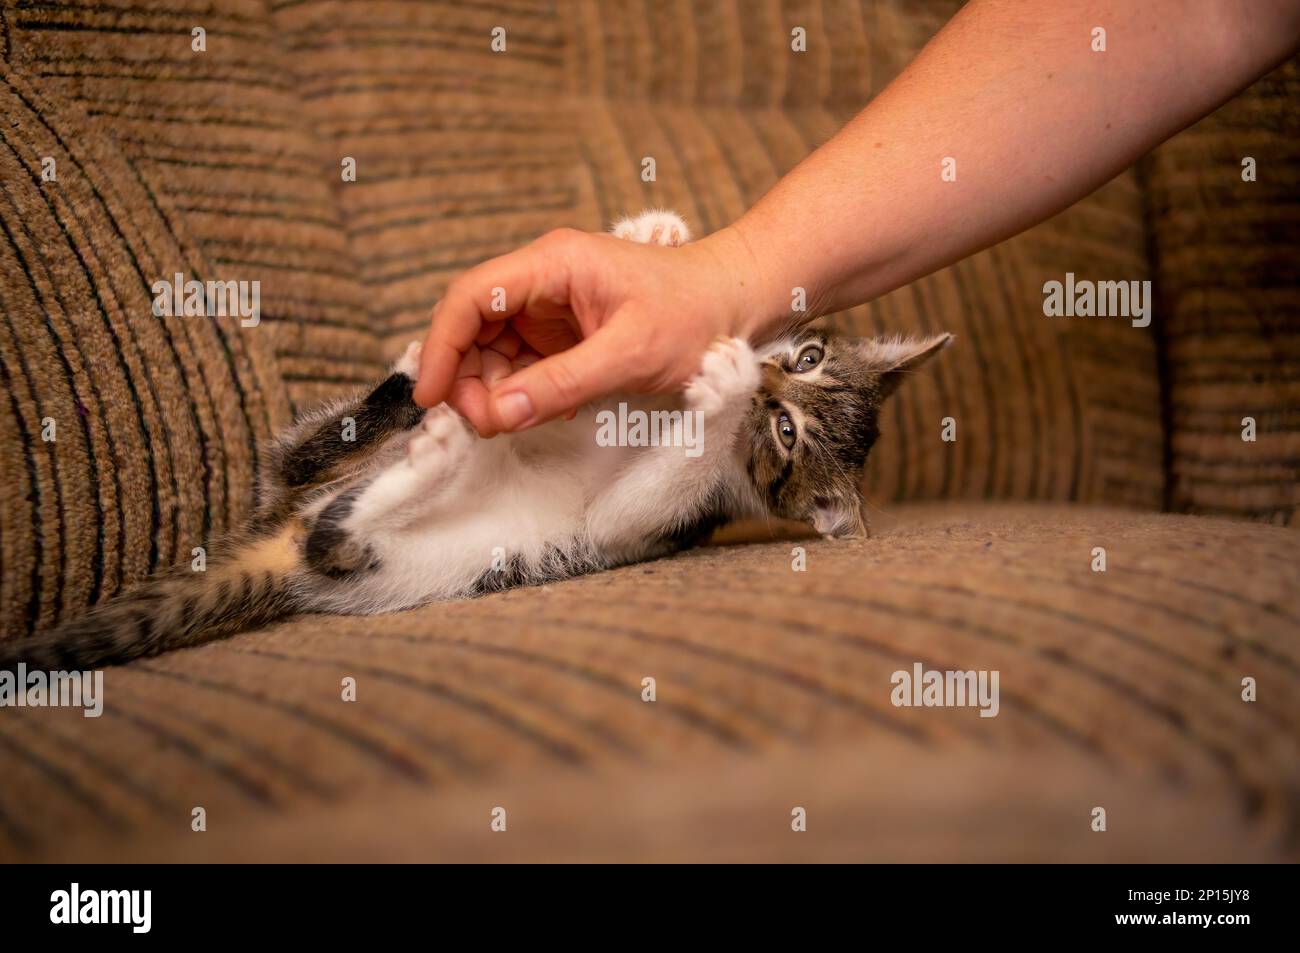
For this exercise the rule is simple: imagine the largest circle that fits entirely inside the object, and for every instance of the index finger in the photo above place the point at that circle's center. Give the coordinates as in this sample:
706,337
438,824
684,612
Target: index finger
488,293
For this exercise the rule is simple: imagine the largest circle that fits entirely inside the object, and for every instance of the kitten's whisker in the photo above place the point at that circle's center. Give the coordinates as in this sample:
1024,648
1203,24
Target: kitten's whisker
829,456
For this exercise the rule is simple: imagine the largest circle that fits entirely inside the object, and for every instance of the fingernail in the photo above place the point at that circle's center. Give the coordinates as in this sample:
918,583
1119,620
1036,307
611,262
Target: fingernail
513,409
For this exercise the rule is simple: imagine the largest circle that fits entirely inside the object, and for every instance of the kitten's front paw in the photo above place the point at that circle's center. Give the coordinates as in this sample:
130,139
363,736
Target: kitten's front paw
653,227
442,440
728,373
409,362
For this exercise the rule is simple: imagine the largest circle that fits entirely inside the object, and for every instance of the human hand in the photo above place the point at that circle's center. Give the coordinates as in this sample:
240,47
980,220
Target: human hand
578,316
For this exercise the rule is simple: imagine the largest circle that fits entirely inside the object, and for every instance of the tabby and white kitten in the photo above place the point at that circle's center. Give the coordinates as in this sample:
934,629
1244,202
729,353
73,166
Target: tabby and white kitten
418,508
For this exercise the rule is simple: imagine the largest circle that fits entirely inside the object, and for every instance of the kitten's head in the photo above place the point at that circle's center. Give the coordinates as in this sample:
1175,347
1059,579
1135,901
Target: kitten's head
815,420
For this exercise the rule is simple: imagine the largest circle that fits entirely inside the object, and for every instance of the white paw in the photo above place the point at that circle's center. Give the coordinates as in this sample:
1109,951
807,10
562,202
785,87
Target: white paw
409,362
728,373
653,227
442,440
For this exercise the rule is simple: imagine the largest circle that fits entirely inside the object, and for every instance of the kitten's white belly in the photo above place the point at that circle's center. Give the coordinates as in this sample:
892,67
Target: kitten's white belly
520,500
494,511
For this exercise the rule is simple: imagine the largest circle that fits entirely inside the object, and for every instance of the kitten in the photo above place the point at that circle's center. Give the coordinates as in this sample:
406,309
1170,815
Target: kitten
417,508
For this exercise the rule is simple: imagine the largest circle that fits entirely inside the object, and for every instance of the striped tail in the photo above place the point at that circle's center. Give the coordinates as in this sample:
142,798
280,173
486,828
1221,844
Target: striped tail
250,588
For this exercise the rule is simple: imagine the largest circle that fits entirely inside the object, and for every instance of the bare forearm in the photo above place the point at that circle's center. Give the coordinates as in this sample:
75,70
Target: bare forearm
1032,118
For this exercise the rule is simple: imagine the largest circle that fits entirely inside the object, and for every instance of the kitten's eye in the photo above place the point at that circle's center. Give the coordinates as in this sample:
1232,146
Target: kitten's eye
808,359
786,430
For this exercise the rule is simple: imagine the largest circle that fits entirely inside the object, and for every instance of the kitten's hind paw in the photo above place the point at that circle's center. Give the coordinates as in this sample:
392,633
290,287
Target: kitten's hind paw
409,362
728,374
653,227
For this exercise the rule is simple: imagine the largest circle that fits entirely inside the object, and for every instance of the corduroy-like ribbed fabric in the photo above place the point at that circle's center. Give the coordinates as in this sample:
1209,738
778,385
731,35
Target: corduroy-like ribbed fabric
219,139
1128,680
1228,278
127,441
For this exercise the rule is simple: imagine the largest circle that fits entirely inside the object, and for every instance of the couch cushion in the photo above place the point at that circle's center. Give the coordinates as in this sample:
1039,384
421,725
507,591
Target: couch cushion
1120,689
218,139
125,440
1226,253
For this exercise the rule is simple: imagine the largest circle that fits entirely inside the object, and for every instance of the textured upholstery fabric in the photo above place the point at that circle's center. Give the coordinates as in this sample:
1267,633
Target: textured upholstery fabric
126,440
1228,275
1127,682
220,140
1119,689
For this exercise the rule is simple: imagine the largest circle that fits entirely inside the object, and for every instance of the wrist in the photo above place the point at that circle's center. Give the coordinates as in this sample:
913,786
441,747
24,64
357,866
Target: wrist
750,295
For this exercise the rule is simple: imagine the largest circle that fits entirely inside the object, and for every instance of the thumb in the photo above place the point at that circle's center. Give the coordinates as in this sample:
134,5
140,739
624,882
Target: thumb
555,385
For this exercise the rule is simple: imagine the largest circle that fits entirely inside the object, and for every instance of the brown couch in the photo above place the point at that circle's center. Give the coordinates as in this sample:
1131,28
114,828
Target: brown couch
1119,689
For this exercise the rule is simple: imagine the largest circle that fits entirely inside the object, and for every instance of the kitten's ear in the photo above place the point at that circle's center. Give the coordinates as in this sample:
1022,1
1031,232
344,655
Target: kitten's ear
838,518
894,358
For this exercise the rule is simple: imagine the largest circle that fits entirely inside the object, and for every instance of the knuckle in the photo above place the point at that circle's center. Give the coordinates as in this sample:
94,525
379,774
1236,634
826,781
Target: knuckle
559,239
455,289
631,367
